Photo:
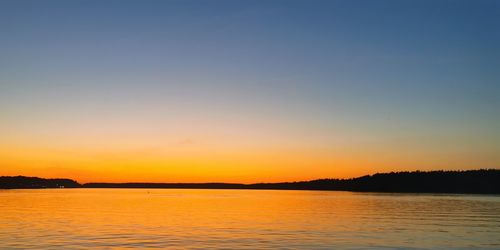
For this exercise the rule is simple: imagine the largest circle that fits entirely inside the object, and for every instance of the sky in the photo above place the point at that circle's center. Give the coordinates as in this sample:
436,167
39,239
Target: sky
247,91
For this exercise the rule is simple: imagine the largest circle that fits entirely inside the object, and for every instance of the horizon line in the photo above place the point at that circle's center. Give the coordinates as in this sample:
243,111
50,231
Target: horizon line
253,183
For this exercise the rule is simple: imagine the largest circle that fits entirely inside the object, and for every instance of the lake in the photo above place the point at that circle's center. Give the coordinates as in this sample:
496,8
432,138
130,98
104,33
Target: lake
245,219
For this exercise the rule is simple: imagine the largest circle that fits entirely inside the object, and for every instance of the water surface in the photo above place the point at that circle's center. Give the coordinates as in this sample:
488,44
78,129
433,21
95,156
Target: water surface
245,219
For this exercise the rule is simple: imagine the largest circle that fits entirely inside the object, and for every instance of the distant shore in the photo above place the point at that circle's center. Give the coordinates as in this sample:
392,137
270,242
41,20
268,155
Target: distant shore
483,181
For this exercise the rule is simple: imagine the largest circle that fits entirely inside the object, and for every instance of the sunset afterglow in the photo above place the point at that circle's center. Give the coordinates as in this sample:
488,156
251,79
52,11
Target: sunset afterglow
172,91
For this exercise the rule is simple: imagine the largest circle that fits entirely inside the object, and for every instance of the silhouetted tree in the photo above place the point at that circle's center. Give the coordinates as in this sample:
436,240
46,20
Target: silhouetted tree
483,181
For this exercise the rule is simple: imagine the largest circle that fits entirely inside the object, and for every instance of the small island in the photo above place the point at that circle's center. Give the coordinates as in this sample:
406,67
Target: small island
483,181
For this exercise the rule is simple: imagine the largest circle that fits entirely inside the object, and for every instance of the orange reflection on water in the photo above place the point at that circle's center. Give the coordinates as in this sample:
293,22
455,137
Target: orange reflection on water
156,218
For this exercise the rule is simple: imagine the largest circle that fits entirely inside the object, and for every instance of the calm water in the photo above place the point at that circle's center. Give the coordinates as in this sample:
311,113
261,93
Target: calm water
250,219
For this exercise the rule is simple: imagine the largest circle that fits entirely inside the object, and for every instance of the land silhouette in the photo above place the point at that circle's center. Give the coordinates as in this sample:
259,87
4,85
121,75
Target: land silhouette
483,181
23,182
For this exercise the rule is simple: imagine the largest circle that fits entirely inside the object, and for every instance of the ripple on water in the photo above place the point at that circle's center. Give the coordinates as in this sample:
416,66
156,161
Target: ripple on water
245,219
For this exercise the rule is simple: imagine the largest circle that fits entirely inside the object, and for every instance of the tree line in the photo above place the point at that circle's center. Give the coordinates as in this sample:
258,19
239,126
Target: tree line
482,181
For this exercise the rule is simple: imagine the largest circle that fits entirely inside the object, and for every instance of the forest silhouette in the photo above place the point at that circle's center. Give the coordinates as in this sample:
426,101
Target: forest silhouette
483,181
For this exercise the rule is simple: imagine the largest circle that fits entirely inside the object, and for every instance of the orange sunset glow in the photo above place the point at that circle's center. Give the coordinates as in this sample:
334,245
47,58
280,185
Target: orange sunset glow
169,92
250,124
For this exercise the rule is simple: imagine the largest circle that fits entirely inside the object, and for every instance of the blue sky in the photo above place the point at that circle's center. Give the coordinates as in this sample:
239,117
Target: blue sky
408,75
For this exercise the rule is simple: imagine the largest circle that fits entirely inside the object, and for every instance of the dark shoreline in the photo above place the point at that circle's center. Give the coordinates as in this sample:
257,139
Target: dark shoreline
483,181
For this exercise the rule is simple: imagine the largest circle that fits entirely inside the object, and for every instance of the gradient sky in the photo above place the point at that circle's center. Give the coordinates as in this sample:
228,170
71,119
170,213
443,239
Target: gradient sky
246,91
